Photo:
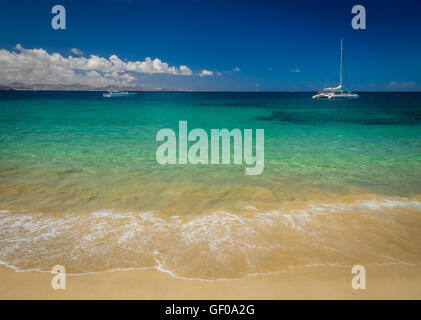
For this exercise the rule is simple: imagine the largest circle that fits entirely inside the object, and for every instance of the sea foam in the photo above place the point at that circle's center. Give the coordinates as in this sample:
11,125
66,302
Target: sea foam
216,245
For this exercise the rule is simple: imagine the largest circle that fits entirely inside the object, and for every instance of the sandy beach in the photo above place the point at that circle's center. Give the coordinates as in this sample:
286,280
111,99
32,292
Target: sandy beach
383,282
81,187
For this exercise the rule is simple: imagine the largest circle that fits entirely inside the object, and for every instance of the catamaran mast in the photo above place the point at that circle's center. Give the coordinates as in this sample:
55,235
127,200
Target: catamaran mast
340,74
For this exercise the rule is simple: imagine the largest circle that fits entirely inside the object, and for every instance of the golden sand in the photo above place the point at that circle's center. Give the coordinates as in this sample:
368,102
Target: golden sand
383,282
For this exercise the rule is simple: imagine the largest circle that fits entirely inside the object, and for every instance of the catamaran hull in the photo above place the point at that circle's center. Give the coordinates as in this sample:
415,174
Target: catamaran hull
347,96
344,96
113,95
321,96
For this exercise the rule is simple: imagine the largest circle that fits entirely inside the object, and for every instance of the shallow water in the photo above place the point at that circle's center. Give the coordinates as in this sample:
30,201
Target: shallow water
80,186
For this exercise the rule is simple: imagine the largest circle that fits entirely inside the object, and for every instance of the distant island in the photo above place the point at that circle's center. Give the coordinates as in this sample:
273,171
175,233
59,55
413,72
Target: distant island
76,87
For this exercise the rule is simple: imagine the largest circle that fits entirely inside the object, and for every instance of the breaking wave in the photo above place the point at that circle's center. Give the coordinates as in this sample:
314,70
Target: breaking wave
217,245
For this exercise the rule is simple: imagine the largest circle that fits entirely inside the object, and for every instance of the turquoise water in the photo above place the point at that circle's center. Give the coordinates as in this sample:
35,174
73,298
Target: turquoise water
372,143
79,153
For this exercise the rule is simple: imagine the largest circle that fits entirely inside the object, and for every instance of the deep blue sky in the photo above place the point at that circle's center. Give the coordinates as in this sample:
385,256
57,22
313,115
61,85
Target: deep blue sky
264,39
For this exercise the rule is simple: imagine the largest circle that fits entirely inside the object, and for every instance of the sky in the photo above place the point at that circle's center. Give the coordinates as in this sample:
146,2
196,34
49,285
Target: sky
221,45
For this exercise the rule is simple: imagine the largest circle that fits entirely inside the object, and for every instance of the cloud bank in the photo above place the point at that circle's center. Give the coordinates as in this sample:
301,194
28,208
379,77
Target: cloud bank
37,66
396,84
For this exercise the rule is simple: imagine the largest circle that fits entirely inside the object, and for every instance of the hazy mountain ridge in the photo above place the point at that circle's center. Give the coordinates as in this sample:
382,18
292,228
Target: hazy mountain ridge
77,87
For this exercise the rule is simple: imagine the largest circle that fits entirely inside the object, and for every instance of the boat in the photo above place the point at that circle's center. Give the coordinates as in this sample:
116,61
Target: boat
337,92
115,93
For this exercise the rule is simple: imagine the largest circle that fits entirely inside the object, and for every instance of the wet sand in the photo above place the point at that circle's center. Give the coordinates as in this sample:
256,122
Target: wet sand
383,282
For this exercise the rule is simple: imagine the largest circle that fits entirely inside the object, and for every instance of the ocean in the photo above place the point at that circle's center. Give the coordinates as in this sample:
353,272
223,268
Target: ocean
80,185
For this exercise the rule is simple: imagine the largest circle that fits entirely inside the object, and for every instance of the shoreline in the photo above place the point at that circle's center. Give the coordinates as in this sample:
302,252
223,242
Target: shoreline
120,235
383,282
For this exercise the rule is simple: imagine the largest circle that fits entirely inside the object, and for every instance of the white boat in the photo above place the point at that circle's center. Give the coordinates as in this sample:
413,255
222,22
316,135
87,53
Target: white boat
115,93
338,92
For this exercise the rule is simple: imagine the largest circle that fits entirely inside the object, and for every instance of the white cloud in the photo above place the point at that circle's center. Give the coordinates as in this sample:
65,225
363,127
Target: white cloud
76,51
236,69
37,66
185,71
205,73
295,70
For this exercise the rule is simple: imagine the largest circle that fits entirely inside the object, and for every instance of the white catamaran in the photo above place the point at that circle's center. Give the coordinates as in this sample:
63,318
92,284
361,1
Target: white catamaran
114,93
338,92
